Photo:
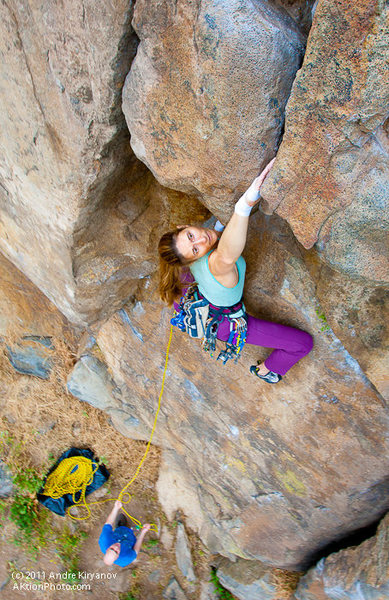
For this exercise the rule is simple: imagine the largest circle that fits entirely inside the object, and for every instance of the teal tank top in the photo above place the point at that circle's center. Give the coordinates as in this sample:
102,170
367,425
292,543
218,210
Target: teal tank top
211,289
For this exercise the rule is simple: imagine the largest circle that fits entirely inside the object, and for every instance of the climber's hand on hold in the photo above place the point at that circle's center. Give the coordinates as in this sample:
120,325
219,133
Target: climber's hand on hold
252,194
118,505
233,239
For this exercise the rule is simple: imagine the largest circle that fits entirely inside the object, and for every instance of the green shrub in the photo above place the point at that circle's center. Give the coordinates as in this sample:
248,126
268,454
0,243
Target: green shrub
30,518
220,591
67,548
323,319
127,596
24,510
28,480
31,523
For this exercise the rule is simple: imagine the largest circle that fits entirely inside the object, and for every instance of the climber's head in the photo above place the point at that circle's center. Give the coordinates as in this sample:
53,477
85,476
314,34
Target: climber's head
179,248
112,554
186,244
194,242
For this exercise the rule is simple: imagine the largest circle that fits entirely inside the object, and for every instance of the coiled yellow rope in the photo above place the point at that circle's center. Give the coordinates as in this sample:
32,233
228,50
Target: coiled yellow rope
74,474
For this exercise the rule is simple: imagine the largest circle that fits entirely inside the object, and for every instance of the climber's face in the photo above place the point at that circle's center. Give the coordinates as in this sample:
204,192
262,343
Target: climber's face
112,554
194,242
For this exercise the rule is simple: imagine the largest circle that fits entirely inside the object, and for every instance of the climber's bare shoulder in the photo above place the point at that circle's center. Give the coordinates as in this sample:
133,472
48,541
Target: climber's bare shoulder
224,271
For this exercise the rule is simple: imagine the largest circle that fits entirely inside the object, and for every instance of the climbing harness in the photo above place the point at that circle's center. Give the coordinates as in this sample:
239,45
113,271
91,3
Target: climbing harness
73,475
201,319
193,313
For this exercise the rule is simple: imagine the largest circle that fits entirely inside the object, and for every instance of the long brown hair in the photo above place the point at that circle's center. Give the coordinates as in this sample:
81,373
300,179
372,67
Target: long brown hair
171,263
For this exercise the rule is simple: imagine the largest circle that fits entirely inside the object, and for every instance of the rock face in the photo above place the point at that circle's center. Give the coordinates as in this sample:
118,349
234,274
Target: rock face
62,143
24,309
263,472
32,356
247,579
357,311
183,554
359,573
268,473
330,177
205,97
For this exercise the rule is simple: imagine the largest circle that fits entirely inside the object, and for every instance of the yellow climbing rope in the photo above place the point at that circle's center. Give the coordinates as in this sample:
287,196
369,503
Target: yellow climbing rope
74,474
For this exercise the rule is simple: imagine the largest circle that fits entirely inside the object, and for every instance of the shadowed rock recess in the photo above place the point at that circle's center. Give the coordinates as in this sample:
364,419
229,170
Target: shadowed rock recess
262,473
356,573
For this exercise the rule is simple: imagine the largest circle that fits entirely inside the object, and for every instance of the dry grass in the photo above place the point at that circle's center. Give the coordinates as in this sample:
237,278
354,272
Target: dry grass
48,420
285,583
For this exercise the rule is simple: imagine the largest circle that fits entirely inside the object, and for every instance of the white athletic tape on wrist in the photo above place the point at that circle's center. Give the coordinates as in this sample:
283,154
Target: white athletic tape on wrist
242,208
250,195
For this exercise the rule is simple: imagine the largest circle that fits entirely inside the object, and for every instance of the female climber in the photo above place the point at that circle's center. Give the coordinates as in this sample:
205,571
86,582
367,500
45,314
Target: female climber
218,270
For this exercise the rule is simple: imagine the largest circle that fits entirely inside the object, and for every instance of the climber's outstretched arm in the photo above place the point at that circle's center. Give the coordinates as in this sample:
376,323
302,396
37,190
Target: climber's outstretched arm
111,519
139,541
233,238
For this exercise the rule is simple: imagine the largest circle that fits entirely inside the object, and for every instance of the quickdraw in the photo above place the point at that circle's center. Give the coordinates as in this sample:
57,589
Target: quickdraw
201,319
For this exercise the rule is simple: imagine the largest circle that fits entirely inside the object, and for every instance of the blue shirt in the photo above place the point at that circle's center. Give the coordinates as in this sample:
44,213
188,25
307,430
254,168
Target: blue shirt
127,539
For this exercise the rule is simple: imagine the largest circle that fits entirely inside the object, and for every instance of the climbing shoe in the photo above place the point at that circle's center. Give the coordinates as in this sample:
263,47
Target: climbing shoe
270,377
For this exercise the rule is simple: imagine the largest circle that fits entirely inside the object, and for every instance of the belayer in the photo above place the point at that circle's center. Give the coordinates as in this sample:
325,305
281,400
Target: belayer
117,541
212,306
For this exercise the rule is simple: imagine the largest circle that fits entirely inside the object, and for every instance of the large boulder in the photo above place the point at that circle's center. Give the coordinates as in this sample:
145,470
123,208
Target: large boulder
330,177
64,149
24,309
33,355
358,312
6,484
90,382
205,97
247,579
357,573
263,472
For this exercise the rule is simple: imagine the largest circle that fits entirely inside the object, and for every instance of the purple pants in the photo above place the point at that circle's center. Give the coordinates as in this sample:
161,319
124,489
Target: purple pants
290,344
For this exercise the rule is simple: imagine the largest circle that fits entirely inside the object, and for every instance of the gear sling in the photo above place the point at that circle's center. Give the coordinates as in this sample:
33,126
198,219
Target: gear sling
201,319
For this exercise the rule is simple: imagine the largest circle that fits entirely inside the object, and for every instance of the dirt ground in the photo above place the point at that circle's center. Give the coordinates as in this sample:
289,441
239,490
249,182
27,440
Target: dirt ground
48,421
